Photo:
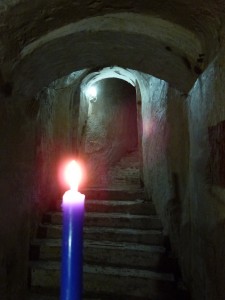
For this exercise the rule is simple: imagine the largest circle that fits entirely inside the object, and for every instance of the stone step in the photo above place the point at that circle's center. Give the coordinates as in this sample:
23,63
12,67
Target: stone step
54,294
42,295
128,160
138,207
147,236
128,173
113,194
122,182
120,282
109,253
117,220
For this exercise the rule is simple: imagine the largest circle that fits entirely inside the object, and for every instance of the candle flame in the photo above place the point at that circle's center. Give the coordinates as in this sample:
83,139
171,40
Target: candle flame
73,174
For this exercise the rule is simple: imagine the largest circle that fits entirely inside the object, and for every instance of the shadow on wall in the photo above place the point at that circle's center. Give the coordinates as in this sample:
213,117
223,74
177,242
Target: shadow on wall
217,154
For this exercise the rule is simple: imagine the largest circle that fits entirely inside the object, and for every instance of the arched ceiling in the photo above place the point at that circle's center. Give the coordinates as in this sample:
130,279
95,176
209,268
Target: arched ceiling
41,41
109,72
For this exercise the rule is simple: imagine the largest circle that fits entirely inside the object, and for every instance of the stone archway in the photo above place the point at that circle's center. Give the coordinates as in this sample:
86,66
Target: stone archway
148,44
111,131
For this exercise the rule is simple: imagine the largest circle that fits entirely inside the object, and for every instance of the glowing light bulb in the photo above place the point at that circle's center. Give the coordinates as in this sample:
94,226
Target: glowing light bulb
92,92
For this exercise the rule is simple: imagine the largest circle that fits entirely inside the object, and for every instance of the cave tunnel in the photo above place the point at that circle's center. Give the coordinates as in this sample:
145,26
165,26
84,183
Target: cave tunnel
110,132
151,141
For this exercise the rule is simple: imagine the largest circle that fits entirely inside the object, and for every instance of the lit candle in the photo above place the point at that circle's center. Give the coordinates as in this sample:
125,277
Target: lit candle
72,243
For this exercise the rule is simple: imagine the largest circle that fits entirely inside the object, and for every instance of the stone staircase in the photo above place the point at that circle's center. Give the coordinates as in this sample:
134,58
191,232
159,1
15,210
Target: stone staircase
124,251
126,172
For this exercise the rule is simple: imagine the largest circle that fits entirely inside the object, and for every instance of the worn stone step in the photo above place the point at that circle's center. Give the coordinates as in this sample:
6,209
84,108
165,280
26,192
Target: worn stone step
110,280
129,206
109,253
147,236
138,206
42,295
129,174
113,194
33,296
117,220
54,294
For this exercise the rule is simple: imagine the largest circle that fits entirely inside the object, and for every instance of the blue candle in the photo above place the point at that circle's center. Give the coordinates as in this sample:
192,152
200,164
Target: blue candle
72,242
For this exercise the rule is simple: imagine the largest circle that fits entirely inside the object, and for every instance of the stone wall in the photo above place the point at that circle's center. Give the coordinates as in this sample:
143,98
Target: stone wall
206,185
183,151
183,146
17,126
57,135
34,134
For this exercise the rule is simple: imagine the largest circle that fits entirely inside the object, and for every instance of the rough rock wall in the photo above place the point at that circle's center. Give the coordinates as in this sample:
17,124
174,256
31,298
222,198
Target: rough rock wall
206,182
17,126
57,132
24,125
157,177
183,151
147,34
111,129
24,22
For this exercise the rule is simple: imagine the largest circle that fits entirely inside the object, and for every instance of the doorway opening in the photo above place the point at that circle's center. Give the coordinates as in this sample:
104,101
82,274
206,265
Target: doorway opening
110,143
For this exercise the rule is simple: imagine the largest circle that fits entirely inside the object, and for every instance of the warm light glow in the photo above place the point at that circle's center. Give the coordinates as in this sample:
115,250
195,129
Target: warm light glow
73,197
73,174
92,92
